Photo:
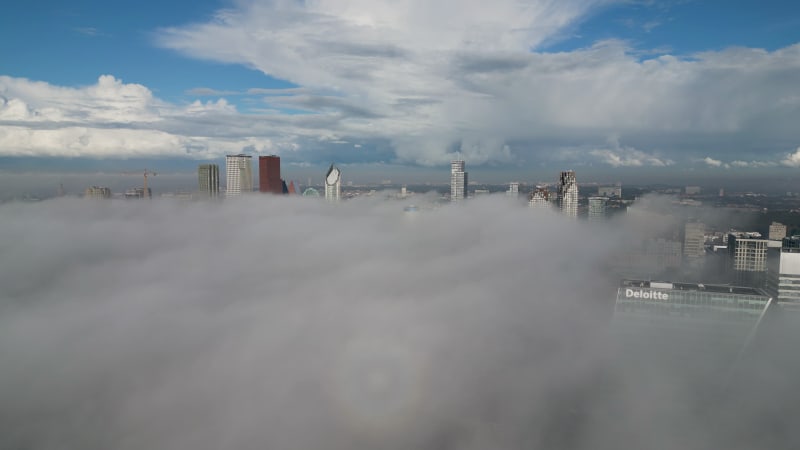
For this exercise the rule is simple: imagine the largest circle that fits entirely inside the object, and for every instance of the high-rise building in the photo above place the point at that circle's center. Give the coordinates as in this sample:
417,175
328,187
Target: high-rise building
513,189
747,260
777,231
539,198
458,181
702,328
597,208
208,179
783,280
269,174
694,240
97,192
333,184
568,194
238,174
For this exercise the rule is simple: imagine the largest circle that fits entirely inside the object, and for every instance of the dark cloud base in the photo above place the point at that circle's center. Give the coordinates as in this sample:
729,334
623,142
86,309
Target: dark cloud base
293,324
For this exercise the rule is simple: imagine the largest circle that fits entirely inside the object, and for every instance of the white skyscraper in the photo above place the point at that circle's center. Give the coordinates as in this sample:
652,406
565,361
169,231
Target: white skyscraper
333,184
239,175
458,181
568,194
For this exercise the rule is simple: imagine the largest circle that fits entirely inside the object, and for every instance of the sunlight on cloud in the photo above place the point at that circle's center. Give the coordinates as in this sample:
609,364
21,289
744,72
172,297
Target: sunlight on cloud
792,159
474,66
429,81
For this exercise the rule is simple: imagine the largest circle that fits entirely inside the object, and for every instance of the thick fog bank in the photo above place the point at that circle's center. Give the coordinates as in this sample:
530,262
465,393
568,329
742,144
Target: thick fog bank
295,324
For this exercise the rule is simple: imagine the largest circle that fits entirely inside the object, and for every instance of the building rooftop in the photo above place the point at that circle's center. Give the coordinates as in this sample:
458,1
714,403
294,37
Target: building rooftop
721,288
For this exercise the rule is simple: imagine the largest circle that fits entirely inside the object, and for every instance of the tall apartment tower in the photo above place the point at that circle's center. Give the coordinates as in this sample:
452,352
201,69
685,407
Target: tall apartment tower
597,208
333,184
747,260
208,179
269,174
458,181
539,198
239,175
694,240
568,194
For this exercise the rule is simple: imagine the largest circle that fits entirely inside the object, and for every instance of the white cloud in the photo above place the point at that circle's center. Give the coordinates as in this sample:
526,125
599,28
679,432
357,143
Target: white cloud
118,120
106,102
219,106
792,159
209,92
624,156
711,162
628,157
432,76
90,32
430,80
650,26
753,164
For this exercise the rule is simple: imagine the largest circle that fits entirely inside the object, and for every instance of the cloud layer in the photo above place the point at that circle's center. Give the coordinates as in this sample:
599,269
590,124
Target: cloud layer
133,325
428,82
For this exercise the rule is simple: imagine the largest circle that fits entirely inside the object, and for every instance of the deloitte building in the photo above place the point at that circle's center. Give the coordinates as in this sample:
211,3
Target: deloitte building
690,326
688,301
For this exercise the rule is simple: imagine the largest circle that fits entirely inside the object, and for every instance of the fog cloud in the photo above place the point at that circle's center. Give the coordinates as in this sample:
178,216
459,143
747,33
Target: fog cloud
295,324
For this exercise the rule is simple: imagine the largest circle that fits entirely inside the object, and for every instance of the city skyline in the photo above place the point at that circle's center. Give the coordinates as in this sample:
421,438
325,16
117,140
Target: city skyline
180,87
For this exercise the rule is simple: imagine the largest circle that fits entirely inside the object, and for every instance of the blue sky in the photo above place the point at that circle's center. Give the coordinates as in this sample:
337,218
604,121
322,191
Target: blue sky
407,83
689,26
72,44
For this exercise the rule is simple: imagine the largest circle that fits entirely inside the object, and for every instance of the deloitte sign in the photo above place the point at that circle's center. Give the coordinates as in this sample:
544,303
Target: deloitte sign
649,295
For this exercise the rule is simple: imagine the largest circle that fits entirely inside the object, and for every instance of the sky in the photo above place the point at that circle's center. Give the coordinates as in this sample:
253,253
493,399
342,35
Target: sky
516,87
130,325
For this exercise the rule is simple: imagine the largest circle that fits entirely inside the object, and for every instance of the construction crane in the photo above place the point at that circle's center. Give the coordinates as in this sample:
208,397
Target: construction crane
146,173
